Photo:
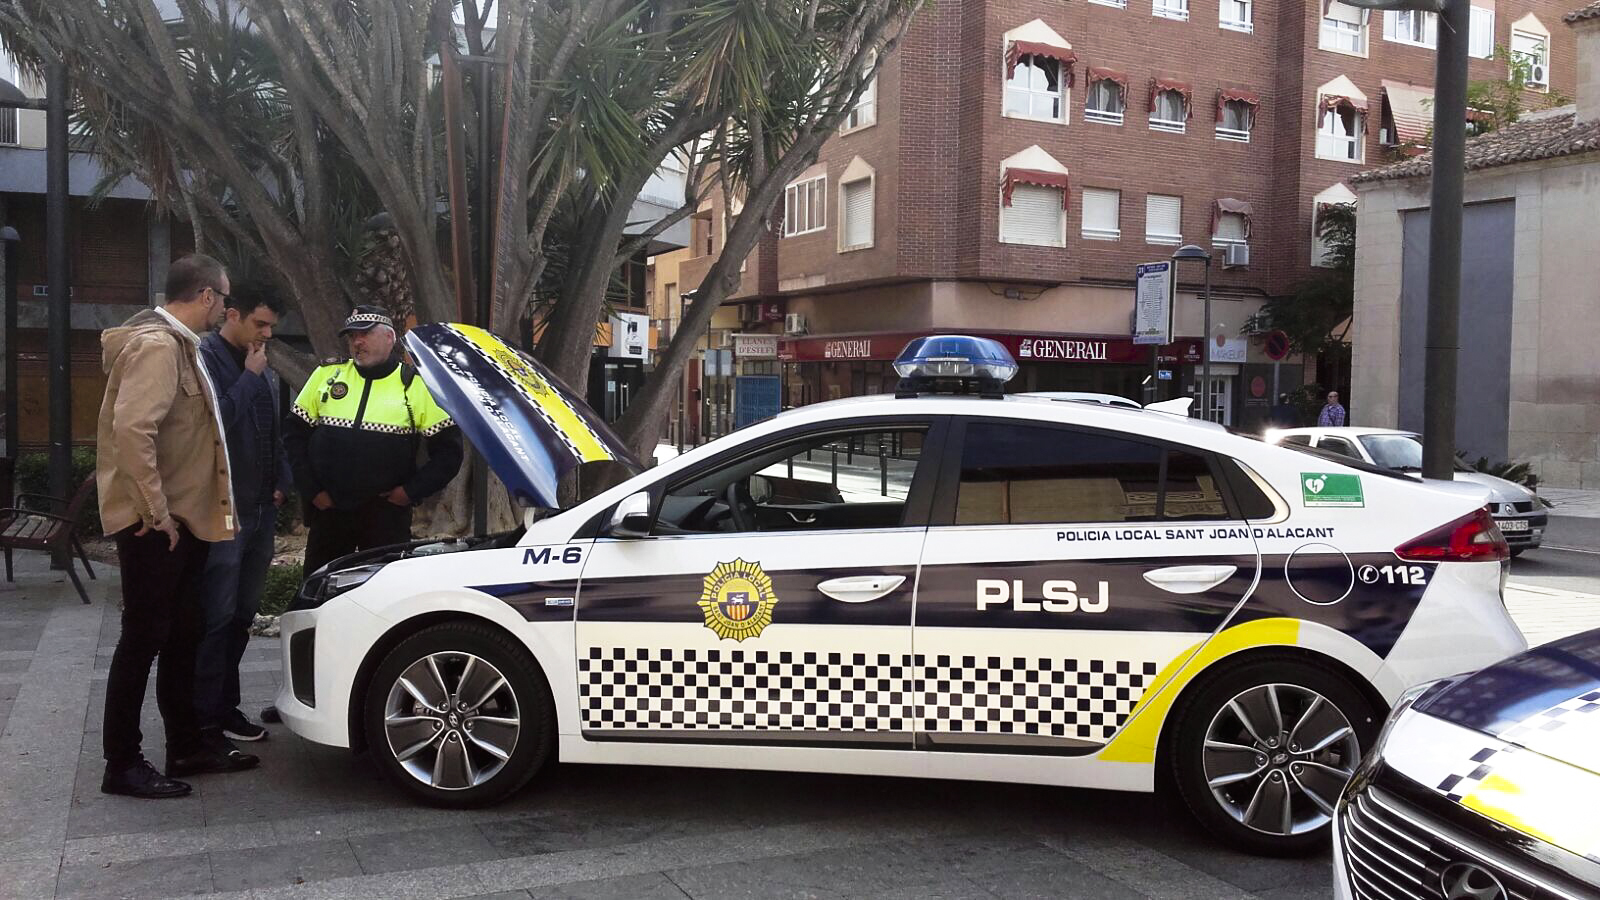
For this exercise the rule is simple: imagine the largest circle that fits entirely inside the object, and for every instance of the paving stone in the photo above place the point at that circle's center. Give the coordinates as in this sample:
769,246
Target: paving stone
1063,878
282,866
654,886
168,877
396,851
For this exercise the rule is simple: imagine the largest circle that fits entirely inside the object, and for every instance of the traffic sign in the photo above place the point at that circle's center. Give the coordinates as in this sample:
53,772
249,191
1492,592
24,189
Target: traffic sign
1277,345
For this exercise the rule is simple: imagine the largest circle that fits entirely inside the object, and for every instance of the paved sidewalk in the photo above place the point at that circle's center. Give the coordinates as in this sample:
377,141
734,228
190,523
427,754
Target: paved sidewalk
1572,502
314,822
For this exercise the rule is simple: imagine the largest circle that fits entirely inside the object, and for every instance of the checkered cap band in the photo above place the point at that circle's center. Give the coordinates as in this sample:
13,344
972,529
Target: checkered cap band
361,321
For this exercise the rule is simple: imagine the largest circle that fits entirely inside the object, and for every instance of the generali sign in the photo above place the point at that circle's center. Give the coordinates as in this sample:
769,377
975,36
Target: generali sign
848,348
1063,349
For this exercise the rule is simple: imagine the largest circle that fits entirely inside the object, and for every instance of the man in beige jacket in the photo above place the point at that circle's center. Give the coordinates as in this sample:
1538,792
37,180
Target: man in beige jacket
165,493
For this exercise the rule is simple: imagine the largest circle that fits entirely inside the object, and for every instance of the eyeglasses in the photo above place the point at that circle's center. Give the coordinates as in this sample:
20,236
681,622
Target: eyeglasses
225,297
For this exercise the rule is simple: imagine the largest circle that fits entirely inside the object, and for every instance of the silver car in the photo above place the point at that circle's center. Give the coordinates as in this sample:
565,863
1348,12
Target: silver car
1518,511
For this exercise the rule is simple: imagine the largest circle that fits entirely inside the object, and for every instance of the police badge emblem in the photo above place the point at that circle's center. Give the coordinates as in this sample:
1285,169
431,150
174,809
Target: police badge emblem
738,600
338,390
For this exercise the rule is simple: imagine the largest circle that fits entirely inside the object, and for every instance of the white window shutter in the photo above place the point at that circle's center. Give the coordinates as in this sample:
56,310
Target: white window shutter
858,213
1480,33
1101,212
1230,227
1034,216
1163,218
1341,12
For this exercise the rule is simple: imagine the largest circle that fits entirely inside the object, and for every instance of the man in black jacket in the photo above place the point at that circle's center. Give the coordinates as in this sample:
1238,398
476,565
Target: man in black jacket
249,401
353,443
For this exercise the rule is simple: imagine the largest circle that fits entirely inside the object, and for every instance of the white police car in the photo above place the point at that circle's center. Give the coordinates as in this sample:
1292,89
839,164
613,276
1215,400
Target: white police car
933,584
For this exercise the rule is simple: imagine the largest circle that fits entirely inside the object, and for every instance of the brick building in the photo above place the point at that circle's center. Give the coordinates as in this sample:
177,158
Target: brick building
1016,159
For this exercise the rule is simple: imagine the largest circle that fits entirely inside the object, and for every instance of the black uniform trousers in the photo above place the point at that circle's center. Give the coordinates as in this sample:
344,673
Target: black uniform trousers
161,617
332,533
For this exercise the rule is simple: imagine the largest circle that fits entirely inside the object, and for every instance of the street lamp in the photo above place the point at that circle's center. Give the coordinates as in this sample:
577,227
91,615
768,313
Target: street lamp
1444,228
1197,252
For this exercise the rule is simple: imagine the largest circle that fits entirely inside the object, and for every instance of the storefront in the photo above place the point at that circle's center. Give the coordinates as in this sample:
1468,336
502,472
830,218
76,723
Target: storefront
830,367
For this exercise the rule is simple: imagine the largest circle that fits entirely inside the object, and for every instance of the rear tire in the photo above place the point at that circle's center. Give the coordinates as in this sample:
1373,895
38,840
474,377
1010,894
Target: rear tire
459,715
1263,749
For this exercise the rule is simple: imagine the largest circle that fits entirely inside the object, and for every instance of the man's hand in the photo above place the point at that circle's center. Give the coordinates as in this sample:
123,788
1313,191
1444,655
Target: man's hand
277,498
255,359
397,496
322,501
167,527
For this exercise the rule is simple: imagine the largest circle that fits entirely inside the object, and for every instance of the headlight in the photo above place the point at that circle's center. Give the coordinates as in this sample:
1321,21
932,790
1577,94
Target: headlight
1407,700
337,583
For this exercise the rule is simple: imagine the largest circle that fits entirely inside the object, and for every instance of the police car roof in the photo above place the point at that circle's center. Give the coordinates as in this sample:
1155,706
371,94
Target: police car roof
1118,418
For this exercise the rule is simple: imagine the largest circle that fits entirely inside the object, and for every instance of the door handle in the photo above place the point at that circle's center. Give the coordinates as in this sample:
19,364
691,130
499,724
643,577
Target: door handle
1189,579
861,588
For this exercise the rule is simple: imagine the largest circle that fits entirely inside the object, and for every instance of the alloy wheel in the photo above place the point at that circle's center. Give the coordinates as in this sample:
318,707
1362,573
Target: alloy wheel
452,720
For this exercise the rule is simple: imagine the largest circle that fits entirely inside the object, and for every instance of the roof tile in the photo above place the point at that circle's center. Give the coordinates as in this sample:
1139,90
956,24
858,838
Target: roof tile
1545,135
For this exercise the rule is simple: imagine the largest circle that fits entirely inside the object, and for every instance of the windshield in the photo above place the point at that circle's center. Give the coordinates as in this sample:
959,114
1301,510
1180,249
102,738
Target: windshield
1394,451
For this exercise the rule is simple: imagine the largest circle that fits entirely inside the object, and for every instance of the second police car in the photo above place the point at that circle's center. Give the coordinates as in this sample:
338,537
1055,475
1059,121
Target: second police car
932,584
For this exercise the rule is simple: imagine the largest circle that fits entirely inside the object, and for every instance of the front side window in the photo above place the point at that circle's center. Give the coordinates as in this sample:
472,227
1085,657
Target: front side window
1034,89
1412,26
835,481
1105,102
1167,112
1401,452
1039,474
1343,29
805,206
1339,134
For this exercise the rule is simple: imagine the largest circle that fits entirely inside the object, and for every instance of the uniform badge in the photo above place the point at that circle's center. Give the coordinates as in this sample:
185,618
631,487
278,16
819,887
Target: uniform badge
738,600
338,389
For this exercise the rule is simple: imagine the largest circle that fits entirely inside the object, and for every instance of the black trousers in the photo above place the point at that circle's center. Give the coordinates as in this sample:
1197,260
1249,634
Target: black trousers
161,617
332,533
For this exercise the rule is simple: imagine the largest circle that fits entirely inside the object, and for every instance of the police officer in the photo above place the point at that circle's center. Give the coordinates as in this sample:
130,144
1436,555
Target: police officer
353,442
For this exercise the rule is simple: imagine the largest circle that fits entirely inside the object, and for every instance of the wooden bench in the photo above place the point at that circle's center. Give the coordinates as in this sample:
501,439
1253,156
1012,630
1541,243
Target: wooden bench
52,529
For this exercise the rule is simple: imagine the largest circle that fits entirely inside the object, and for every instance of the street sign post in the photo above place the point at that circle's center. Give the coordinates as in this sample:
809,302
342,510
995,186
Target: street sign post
1152,313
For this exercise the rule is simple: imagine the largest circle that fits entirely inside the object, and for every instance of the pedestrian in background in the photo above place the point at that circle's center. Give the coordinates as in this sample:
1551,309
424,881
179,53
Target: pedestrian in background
162,471
1332,415
1283,414
248,398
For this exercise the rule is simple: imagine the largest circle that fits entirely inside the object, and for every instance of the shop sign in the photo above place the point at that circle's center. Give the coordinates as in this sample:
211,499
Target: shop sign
1061,348
1226,349
755,346
847,348
770,311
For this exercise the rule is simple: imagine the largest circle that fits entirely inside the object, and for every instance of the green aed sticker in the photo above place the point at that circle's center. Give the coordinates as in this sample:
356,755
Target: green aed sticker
1322,489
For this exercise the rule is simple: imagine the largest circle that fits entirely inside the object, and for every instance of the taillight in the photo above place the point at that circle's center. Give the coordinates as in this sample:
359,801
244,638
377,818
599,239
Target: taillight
1472,538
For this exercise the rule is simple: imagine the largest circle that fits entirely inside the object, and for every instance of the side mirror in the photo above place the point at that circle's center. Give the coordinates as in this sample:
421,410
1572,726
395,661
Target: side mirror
760,489
631,518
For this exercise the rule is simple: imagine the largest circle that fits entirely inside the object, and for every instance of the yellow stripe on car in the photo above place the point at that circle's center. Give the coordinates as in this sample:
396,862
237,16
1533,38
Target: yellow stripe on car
1542,798
585,443
1136,743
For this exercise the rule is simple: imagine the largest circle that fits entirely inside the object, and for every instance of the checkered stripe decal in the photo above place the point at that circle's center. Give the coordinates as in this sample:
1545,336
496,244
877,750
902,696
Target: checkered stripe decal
538,407
1459,784
1084,699
1554,718
649,689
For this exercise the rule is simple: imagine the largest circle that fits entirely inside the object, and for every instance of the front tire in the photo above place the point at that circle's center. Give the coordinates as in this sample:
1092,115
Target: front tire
1263,749
459,715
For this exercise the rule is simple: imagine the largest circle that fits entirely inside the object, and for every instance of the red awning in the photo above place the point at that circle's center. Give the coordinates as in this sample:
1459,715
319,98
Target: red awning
1157,85
1250,98
1120,79
1063,55
1039,177
1230,205
1331,102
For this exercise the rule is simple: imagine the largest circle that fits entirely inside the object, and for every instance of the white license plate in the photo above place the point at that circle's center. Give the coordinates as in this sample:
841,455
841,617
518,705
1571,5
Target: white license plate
1513,524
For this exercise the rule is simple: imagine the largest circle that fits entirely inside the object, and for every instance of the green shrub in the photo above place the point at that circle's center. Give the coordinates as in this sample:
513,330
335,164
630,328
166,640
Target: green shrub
283,582
33,477
1516,472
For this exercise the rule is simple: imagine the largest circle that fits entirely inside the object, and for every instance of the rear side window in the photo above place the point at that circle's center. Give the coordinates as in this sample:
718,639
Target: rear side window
1303,440
1339,446
1032,474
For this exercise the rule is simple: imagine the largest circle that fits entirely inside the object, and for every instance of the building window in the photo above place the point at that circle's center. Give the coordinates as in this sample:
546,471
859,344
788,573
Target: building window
1168,111
1335,199
1034,89
1344,29
1340,127
1033,206
1163,218
1171,9
1108,97
1237,15
805,206
1411,26
1532,52
865,112
1480,33
1119,4
1102,214
1230,228
1236,116
856,208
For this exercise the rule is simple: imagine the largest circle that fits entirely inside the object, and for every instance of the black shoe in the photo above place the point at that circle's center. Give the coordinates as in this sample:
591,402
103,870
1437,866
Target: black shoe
240,728
216,754
270,716
143,781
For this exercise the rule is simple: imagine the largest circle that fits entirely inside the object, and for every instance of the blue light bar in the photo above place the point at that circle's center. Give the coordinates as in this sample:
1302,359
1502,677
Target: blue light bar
954,363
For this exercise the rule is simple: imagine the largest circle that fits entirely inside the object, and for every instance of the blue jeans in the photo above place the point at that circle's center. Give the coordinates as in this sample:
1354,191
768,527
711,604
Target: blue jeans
231,588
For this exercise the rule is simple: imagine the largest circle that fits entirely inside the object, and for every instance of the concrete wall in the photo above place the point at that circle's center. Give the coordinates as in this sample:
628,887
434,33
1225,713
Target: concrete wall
1554,373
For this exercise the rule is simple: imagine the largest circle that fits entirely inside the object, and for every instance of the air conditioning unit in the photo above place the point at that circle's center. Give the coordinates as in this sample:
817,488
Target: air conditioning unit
1236,256
794,323
1538,74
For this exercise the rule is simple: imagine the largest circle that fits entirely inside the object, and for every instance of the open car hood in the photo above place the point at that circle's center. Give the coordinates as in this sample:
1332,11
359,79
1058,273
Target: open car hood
530,426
